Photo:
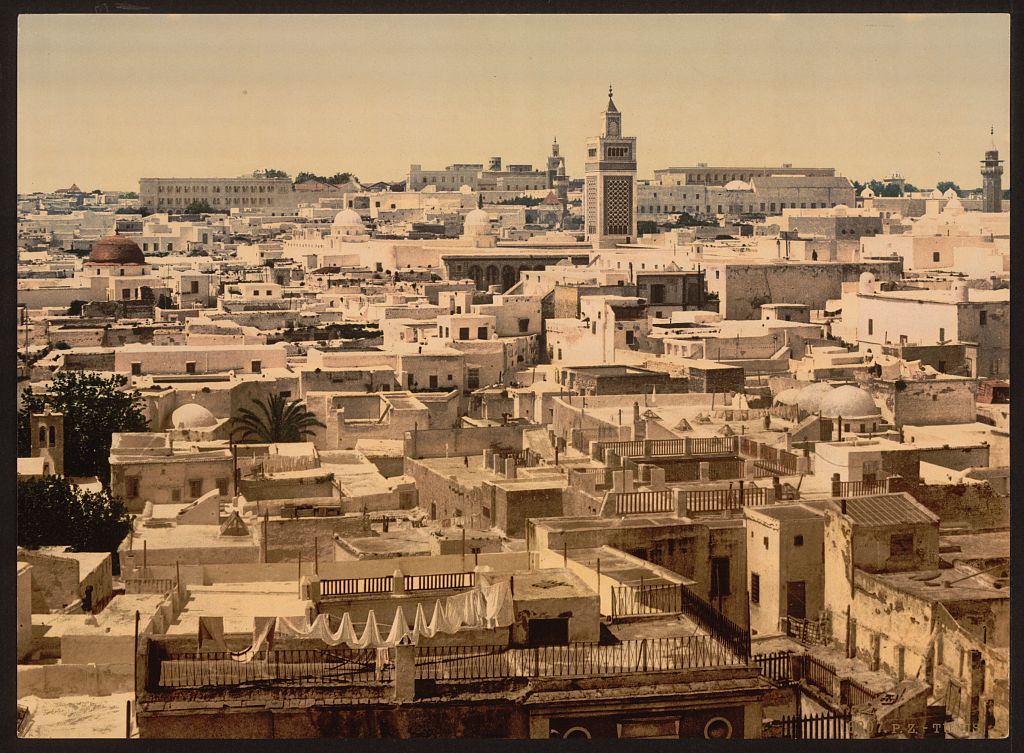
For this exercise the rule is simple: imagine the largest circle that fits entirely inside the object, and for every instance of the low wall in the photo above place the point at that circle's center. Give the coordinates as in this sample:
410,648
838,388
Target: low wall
56,680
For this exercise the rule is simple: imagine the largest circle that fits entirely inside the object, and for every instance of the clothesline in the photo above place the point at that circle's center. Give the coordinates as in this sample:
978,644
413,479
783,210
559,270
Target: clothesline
484,606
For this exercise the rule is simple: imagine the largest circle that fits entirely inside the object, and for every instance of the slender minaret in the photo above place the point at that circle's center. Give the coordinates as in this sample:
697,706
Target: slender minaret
609,194
992,178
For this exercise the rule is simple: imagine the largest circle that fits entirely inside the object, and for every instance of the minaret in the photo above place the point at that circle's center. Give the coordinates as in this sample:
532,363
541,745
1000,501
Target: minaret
557,180
609,194
992,179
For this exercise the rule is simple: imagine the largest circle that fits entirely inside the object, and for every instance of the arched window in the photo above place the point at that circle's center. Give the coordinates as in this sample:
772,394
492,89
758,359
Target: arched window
53,436
42,436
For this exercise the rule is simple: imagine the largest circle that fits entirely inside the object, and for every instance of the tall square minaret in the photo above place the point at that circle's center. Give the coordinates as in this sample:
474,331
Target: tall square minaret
609,188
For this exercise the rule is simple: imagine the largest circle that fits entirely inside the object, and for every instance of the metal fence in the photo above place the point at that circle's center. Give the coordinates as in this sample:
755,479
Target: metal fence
641,503
640,600
859,488
573,659
778,666
355,586
824,726
671,447
440,581
317,666
715,500
821,674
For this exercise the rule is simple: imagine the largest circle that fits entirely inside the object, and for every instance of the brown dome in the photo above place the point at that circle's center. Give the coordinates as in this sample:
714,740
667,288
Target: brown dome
116,249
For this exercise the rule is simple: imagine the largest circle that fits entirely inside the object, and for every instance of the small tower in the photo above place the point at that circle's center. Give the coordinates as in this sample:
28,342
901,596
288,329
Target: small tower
992,179
557,180
47,431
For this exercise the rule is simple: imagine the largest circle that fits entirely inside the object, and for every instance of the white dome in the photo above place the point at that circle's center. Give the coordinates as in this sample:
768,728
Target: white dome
953,206
788,397
465,189
937,194
737,185
867,193
848,401
840,210
348,218
477,223
950,194
192,416
809,398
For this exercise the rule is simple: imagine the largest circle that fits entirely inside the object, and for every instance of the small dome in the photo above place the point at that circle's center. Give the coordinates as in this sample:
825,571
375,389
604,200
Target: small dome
949,193
848,401
116,249
840,210
192,416
478,217
788,397
867,193
737,185
477,223
809,398
348,218
953,206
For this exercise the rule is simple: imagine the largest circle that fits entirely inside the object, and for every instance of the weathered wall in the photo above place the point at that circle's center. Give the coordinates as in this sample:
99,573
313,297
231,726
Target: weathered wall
56,680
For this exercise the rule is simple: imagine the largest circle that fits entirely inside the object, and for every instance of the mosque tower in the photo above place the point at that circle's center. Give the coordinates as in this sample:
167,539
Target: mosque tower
609,193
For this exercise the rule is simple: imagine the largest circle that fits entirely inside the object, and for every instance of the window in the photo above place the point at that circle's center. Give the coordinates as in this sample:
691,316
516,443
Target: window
942,334
630,337
765,542
901,544
190,367
195,488
131,487
194,286
982,318
592,152
935,256
472,379
175,495
450,377
755,588
871,326
433,381
481,333
256,367
719,576
524,325
798,540
222,487
463,333
136,368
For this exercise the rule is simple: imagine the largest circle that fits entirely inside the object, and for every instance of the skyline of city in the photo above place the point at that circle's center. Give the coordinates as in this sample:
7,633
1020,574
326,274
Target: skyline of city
228,119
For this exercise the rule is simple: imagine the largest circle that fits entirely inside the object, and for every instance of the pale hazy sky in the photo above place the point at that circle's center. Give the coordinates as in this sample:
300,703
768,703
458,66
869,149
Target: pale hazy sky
105,99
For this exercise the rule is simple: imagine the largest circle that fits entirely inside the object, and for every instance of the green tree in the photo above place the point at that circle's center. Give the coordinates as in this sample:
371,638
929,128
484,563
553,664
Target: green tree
94,407
129,195
646,227
275,420
199,206
75,309
273,173
945,185
339,179
54,512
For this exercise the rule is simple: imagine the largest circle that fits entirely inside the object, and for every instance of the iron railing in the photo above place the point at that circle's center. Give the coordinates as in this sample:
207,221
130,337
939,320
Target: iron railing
316,666
355,586
440,581
859,488
642,503
824,726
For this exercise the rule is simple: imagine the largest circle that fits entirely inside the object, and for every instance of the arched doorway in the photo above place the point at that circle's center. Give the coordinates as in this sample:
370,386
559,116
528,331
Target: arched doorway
508,277
492,275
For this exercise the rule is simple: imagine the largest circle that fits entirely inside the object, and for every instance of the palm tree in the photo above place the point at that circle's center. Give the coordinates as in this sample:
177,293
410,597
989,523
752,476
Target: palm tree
275,421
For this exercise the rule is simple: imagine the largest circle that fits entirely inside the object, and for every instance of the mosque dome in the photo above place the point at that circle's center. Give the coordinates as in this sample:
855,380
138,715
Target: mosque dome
949,193
737,185
848,401
348,218
477,222
810,397
953,206
116,249
788,397
192,416
867,193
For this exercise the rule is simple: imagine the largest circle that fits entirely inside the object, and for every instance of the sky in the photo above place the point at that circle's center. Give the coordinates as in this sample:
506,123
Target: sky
106,99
